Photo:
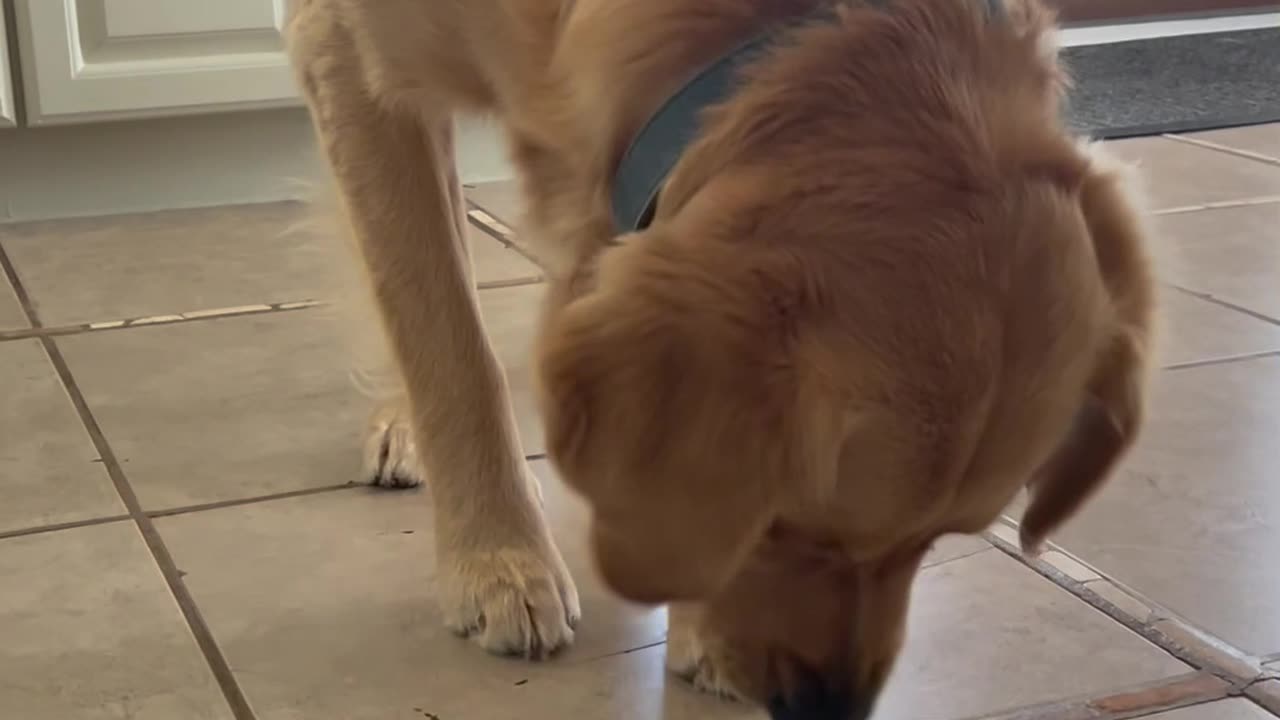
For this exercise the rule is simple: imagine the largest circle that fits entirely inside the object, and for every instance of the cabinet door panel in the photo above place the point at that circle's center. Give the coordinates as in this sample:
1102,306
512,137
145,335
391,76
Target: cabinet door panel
142,18
89,60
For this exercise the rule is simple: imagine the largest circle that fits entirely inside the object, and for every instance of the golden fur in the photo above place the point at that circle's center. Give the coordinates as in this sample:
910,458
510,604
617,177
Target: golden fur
884,290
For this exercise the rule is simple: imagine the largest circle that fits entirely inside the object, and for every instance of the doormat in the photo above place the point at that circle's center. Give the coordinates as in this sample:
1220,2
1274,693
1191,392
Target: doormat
1175,84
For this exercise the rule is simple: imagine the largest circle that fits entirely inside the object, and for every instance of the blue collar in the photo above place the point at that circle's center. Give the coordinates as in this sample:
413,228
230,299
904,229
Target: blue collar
657,148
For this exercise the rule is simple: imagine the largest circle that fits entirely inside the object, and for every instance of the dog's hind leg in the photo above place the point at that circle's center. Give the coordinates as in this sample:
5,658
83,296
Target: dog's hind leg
501,579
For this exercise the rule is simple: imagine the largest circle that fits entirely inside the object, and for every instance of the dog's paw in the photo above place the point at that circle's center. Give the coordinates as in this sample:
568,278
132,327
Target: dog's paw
695,656
515,601
390,453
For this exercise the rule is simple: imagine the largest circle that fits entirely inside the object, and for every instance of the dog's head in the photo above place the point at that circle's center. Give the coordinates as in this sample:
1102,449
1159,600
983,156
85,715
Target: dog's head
783,434
850,343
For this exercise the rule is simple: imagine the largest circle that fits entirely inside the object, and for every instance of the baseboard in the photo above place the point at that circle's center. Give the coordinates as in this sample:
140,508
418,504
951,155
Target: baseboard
199,161
1128,10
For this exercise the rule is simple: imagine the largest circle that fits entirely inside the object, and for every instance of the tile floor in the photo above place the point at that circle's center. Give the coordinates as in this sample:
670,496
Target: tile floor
179,538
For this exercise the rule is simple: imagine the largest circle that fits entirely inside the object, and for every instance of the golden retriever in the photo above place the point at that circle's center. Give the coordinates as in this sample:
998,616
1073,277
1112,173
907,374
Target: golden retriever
883,290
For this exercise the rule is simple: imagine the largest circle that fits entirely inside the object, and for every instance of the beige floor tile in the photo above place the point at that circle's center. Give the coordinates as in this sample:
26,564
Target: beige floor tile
1197,330
497,263
1178,174
633,686
92,269
500,199
1267,694
955,547
1231,253
988,634
223,409
336,617
92,633
1261,139
1233,709
11,315
49,471
1192,518
240,407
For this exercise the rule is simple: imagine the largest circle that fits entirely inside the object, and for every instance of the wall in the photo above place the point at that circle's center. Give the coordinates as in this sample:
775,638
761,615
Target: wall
1084,10
137,166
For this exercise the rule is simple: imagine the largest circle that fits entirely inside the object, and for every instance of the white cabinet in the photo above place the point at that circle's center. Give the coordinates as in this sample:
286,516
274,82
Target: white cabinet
85,60
8,115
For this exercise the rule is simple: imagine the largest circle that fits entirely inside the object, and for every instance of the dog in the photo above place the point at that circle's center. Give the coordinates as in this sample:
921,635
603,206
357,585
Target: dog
876,291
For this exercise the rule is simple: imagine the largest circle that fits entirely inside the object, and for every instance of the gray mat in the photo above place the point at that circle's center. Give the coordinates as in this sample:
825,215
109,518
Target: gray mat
1175,84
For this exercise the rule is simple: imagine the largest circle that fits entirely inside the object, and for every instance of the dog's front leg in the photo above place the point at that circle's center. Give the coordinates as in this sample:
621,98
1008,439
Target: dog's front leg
696,654
501,578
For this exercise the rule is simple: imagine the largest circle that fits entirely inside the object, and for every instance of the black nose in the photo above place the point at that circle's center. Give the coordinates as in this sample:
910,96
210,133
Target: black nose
819,701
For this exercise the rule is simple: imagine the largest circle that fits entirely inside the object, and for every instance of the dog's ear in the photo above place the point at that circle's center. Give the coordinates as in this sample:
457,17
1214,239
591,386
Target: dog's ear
1113,412
1104,429
665,392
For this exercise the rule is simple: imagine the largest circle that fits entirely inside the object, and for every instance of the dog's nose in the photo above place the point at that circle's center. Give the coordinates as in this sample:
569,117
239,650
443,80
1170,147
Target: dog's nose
818,699
820,706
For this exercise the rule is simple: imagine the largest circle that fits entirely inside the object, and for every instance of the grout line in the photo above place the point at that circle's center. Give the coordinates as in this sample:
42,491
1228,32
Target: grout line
1211,298
1175,636
515,282
1231,359
19,290
503,222
1209,145
210,314
618,653
957,558
1176,693
1179,210
498,230
220,504
236,502
208,645
1219,205
55,527
217,662
22,334
492,226
490,223
170,319
287,495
